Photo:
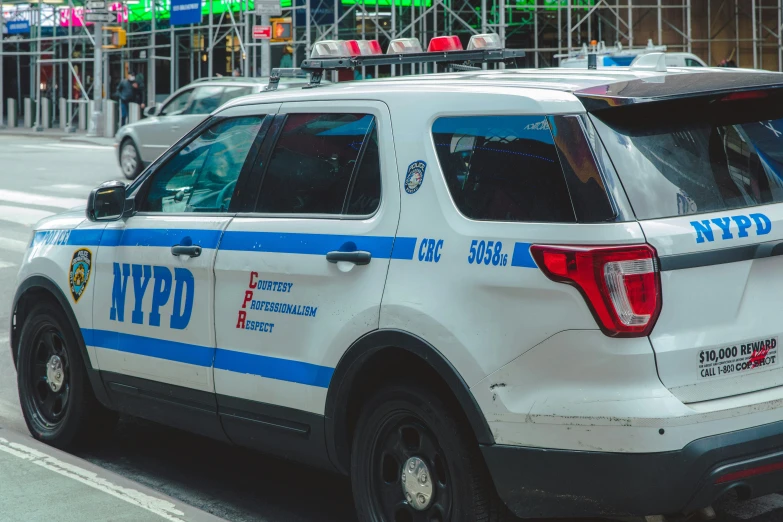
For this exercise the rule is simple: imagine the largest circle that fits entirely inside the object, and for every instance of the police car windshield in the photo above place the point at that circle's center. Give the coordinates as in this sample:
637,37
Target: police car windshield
696,156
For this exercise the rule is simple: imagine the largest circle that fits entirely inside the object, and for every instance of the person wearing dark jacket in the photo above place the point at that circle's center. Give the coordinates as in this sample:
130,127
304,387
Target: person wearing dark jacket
126,94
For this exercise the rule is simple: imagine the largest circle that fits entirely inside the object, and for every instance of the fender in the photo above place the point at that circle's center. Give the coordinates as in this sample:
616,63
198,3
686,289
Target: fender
351,365
43,282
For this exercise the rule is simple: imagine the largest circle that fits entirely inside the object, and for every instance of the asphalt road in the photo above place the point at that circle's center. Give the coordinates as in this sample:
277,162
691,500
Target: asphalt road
41,176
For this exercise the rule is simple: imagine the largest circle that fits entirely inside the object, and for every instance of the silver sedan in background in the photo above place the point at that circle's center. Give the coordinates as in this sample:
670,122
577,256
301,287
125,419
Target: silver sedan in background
140,143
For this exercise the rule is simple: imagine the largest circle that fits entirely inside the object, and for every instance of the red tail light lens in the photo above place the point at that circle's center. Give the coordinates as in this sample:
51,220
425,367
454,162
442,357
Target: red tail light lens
622,285
444,43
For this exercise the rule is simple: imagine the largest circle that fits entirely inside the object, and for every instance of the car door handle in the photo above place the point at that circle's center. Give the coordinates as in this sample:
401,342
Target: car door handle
358,257
182,250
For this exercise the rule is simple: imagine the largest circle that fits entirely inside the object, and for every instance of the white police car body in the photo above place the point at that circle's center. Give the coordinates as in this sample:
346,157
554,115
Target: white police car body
354,276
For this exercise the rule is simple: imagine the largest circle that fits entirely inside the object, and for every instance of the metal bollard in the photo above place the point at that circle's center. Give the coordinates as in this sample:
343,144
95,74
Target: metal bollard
11,112
46,113
28,113
110,114
82,116
134,112
63,106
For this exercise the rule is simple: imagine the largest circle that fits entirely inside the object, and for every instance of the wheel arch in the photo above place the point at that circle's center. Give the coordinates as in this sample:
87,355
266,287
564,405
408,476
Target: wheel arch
373,359
30,292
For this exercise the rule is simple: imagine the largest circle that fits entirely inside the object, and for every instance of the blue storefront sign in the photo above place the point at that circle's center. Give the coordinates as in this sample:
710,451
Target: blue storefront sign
321,12
185,12
17,26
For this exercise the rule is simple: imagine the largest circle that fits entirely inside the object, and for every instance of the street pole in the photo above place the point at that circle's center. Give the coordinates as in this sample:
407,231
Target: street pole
266,54
2,99
97,90
38,124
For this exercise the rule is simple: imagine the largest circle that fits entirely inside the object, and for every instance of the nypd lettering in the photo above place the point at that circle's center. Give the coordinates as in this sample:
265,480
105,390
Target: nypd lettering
415,176
730,227
759,354
79,274
161,283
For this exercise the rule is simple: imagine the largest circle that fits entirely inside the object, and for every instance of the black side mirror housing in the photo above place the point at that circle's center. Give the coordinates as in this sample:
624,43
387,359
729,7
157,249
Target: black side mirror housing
151,111
107,202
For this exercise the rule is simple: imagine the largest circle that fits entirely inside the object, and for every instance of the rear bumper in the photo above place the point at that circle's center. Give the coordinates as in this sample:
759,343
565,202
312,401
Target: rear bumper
535,482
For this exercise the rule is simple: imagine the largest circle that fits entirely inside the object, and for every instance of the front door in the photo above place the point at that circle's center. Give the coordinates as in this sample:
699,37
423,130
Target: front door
300,276
153,313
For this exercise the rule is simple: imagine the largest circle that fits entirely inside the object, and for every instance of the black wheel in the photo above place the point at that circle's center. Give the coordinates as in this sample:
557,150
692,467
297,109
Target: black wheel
57,401
412,461
130,159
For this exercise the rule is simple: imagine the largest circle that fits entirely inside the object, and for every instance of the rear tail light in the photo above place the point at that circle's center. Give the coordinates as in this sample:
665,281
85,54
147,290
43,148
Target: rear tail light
404,46
484,41
622,285
444,43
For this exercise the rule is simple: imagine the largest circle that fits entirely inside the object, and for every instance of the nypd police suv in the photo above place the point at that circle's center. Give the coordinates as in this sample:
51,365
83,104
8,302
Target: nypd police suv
539,292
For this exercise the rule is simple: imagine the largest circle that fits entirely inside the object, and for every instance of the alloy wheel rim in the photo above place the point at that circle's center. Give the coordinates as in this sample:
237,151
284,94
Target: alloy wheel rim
50,376
409,477
128,159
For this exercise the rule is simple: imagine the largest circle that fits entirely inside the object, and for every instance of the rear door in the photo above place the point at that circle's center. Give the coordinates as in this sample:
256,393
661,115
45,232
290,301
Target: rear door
705,178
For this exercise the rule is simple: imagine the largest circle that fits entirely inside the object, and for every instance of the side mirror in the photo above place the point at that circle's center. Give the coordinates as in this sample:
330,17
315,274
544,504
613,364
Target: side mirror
151,111
107,202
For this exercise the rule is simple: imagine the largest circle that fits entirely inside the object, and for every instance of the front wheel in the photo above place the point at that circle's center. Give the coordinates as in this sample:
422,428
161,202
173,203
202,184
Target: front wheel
130,159
412,461
57,400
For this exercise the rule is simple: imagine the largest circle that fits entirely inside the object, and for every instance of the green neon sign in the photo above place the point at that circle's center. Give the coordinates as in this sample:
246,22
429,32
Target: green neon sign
142,12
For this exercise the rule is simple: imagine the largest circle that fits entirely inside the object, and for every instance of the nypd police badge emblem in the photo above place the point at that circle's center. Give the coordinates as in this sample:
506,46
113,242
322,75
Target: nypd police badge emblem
415,176
79,275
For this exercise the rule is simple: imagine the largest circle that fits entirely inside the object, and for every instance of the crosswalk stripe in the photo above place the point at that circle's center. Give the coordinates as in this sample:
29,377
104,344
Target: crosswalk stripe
21,215
6,264
55,146
14,245
28,198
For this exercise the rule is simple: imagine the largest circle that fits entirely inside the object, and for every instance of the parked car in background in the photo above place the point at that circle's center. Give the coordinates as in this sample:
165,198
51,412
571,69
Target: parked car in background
143,141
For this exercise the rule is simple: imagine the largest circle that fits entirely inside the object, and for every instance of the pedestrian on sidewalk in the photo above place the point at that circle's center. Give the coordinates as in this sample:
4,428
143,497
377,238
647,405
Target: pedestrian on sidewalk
126,94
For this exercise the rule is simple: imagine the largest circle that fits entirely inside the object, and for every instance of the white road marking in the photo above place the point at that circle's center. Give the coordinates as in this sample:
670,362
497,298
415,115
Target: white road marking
28,198
54,146
160,507
13,245
22,216
68,186
6,264
753,508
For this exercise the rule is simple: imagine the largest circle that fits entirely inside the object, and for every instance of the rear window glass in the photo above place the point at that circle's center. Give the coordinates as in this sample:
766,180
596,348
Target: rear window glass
503,168
677,160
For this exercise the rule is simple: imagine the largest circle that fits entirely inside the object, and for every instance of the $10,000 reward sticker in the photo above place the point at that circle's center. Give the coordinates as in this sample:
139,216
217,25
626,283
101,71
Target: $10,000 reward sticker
738,359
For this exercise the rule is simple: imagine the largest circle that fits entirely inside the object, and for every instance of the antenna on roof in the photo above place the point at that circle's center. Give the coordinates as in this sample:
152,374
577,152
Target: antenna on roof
650,62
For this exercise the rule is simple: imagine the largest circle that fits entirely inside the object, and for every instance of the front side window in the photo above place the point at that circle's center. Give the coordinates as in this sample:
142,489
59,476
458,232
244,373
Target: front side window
205,100
235,92
177,104
323,164
503,168
203,175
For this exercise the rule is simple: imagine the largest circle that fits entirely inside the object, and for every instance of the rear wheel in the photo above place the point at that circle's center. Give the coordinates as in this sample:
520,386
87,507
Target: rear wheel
57,401
130,159
412,461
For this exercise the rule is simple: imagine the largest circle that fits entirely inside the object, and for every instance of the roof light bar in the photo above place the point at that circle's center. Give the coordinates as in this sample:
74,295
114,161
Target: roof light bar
444,43
404,46
332,48
485,41
366,47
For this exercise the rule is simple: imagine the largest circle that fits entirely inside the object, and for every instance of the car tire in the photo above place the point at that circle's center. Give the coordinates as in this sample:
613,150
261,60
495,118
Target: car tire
407,433
56,397
130,159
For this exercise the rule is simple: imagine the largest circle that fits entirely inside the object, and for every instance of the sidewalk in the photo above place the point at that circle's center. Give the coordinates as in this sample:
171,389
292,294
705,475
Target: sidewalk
40,483
57,134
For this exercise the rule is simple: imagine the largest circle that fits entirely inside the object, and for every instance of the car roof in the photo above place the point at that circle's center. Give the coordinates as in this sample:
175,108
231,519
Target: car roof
243,80
620,84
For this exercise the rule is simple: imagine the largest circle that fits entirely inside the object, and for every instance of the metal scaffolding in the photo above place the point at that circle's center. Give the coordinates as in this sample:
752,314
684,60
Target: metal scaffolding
54,63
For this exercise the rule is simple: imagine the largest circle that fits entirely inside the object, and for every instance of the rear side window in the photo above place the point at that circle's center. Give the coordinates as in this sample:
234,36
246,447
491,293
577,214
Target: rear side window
205,100
323,164
503,168
696,156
